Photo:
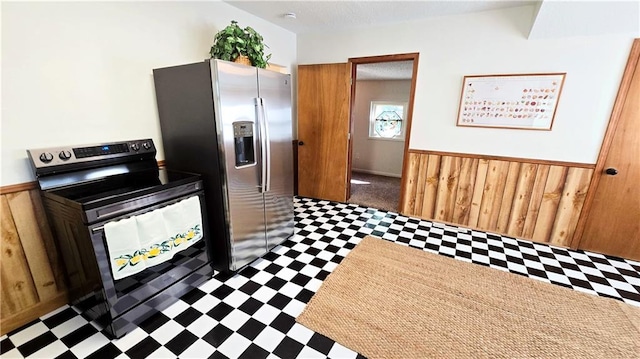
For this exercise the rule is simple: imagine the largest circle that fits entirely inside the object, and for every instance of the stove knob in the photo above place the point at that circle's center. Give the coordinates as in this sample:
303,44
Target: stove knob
135,147
146,145
46,157
64,155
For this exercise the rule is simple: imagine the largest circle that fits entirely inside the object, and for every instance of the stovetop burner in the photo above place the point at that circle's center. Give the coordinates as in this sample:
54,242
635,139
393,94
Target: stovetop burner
117,188
107,178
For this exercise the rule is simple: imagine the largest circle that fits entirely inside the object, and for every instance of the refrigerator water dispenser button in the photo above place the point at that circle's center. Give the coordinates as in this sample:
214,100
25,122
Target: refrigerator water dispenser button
243,139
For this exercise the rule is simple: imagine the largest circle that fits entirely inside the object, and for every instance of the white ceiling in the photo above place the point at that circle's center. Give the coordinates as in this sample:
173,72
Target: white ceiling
558,19
396,70
322,15
553,18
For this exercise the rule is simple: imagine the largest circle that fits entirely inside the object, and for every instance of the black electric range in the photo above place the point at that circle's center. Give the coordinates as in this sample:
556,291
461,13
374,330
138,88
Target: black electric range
85,187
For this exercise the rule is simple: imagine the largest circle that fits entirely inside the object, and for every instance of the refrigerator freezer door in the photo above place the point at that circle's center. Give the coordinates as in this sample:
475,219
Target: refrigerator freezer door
235,92
275,91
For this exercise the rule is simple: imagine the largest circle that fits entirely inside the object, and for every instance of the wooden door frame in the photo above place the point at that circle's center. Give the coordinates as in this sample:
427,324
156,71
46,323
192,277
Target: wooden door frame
353,62
632,62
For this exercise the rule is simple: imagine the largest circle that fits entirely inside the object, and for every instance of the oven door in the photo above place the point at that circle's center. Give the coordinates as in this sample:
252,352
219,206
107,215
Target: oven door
128,292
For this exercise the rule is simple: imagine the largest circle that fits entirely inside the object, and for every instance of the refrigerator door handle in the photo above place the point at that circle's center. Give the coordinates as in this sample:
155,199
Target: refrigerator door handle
267,140
263,143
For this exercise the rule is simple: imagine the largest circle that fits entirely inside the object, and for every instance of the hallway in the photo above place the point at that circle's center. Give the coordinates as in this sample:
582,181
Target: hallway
380,192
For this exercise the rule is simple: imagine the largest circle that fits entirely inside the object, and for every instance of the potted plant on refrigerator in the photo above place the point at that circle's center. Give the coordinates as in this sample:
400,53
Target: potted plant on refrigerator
236,44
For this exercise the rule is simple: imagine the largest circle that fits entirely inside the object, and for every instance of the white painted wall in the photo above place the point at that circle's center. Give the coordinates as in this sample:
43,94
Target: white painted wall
371,155
595,17
492,42
81,72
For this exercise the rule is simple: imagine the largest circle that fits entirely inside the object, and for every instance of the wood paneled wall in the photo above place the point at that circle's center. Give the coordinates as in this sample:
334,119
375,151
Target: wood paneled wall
32,281
530,199
32,276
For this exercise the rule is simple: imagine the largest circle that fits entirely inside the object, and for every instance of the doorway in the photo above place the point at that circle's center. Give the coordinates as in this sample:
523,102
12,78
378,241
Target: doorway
380,125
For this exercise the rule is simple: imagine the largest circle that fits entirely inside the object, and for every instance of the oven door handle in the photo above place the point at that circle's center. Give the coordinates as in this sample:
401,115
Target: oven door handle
159,205
114,210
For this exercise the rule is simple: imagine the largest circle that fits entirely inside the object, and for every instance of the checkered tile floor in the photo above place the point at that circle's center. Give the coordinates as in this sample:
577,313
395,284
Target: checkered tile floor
252,314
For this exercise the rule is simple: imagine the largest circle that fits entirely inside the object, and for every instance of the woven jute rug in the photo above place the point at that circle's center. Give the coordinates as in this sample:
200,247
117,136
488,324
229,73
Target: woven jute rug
389,301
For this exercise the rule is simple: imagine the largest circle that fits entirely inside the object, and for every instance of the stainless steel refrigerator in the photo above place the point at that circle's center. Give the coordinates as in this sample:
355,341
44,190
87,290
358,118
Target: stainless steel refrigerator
232,124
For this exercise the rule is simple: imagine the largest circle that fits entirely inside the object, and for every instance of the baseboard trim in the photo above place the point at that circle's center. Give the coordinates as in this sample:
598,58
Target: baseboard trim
379,173
15,321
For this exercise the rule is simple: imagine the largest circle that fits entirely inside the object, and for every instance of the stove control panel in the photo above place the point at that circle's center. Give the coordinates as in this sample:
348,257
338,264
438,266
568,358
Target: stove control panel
57,156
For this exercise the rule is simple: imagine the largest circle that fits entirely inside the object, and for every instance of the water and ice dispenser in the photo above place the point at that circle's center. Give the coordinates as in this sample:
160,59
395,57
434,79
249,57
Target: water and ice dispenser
243,139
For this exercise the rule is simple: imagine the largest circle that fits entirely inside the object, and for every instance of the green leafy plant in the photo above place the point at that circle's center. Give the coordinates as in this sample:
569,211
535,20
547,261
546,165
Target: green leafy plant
233,41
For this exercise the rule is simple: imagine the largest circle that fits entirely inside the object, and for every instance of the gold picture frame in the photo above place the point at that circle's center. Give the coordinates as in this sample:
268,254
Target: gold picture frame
514,101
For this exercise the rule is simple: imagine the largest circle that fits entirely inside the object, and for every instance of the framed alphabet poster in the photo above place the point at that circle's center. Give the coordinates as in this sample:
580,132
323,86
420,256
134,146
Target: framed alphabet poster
526,101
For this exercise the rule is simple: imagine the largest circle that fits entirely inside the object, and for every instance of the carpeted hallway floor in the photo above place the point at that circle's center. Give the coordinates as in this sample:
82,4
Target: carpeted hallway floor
375,191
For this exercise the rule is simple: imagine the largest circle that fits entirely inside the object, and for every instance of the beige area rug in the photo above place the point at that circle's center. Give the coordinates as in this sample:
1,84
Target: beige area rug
389,301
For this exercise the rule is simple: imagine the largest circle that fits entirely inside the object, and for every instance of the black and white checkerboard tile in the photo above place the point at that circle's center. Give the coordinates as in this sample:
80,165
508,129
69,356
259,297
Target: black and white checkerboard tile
252,314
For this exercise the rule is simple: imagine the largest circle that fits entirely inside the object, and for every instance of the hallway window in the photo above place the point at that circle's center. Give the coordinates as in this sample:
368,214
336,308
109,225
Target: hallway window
386,120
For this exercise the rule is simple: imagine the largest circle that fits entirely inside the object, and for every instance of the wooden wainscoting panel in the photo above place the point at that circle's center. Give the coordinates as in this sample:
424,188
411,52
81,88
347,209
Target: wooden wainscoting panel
33,282
37,310
34,249
478,191
498,194
573,195
464,196
492,195
18,187
542,173
412,182
422,181
524,188
447,188
505,158
538,200
430,187
550,200
507,197
18,289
